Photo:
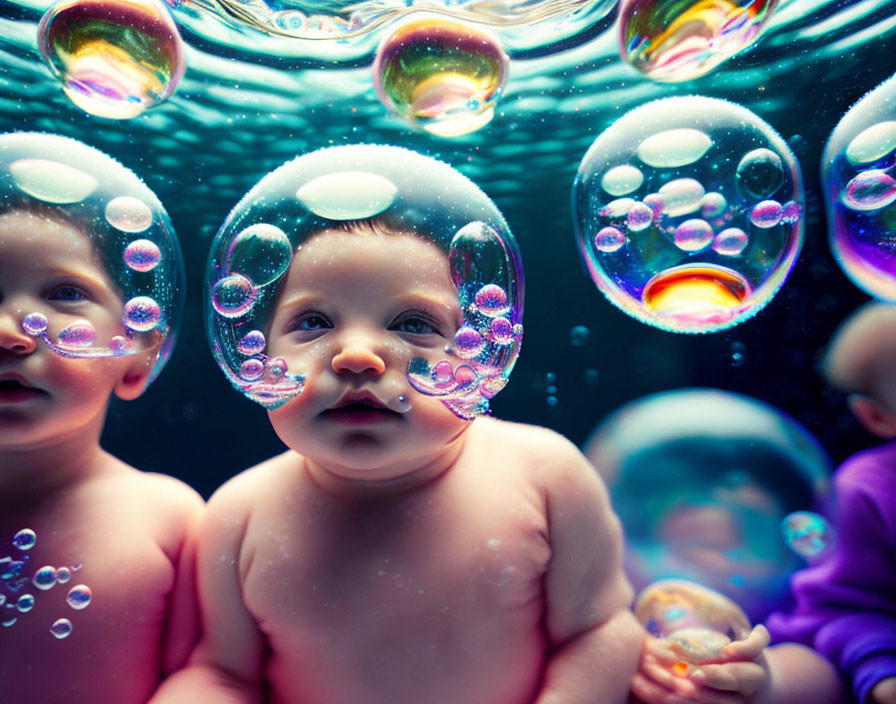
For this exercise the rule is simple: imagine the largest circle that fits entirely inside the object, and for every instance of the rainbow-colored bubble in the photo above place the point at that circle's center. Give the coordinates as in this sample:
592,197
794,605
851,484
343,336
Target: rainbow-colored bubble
677,40
860,192
114,58
441,75
689,213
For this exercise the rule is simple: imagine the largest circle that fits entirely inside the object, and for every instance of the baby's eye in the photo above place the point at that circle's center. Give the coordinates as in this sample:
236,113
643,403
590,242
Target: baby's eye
416,323
67,293
309,322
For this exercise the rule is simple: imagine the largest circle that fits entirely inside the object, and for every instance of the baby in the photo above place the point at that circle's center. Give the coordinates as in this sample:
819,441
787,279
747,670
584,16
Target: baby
89,530
398,553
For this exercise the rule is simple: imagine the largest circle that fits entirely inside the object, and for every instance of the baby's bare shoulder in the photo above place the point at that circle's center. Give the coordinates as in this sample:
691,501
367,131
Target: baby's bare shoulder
528,445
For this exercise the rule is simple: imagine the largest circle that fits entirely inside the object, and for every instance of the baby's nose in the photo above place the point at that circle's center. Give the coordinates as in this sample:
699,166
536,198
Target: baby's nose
359,354
12,336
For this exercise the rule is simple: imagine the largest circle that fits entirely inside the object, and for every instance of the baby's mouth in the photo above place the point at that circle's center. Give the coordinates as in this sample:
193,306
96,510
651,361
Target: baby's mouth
362,411
13,390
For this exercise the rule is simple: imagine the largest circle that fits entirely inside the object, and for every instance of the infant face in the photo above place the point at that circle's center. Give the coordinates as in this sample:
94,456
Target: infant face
353,312
49,266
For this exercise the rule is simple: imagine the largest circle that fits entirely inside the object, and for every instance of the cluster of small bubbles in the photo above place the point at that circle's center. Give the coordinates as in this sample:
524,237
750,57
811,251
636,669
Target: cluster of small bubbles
35,323
141,314
79,597
808,534
114,59
261,253
550,380
78,335
688,213
142,255
679,41
579,335
128,214
233,296
61,628
441,75
251,343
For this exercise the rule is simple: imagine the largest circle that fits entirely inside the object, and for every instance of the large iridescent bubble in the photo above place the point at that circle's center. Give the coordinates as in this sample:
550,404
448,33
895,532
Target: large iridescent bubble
702,480
860,191
404,192
56,176
114,58
441,75
677,40
689,213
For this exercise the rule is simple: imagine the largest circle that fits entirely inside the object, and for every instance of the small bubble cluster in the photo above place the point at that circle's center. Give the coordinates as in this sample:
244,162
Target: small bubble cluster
808,534
114,58
860,192
671,40
441,75
689,213
15,600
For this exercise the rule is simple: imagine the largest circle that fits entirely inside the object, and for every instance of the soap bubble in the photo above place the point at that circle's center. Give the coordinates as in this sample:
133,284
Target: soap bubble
578,336
441,75
141,314
860,192
261,253
695,622
129,214
25,603
142,255
252,342
61,628
63,575
808,534
79,597
675,40
233,296
78,334
24,539
725,194
701,480
44,578
114,58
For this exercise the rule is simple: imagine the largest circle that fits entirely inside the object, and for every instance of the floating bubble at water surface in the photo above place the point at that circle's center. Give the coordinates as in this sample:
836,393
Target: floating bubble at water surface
701,480
695,622
857,175
677,40
114,58
441,75
711,230
808,534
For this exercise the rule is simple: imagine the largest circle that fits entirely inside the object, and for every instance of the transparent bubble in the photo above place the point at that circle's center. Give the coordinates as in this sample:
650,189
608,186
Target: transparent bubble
252,342
24,539
52,181
492,300
8,620
25,603
701,480
61,628
695,622
79,596
114,58
252,369
142,255
622,180
441,75
713,253
129,214
808,534
233,296
141,314
261,253
469,342
63,575
501,331
678,41
35,323
78,335
44,578
860,192
639,217
579,335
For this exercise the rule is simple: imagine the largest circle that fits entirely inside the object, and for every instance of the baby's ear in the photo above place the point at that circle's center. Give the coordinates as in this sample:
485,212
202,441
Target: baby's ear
136,376
873,415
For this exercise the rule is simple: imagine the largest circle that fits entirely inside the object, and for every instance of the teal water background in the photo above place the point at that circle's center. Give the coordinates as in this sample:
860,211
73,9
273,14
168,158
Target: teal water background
242,110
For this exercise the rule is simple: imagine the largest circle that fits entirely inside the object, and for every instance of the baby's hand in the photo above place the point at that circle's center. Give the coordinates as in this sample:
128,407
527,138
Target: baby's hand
884,692
733,678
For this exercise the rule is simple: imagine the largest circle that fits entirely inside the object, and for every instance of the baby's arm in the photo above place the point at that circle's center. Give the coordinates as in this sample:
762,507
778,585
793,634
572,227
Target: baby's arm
747,672
595,641
227,665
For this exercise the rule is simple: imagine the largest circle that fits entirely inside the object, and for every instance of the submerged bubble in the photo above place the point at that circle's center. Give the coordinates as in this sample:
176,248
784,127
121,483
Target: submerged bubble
609,239
693,235
251,369
44,578
713,205
578,336
233,296
114,58
25,603
492,300
24,539
128,214
760,173
61,628
63,575
639,217
142,255
469,342
78,335
622,180
501,331
870,190
440,74
141,314
79,596
251,343
678,41
35,323
766,214
808,534
261,253
730,241
52,181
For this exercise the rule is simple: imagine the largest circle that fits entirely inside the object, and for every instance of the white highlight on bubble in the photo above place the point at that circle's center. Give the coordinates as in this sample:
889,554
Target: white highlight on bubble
678,147
681,196
348,195
622,180
872,143
128,214
51,181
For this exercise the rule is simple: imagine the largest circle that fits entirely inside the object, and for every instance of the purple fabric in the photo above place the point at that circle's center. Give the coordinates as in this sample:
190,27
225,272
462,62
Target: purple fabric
846,605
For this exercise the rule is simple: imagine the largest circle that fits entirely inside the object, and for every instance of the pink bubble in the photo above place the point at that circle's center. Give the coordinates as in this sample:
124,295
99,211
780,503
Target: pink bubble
766,214
77,335
693,235
870,190
233,296
730,241
609,239
492,300
252,342
142,255
141,314
469,341
501,331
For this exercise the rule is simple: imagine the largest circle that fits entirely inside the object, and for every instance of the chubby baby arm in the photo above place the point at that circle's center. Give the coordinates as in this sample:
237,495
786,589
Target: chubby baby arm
595,641
227,666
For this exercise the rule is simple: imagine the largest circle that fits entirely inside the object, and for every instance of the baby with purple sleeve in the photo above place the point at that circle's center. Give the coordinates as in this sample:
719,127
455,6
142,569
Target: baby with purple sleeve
846,604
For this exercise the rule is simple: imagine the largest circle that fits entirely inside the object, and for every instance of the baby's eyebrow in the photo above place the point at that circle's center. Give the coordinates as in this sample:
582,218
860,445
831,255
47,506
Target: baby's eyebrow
86,277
